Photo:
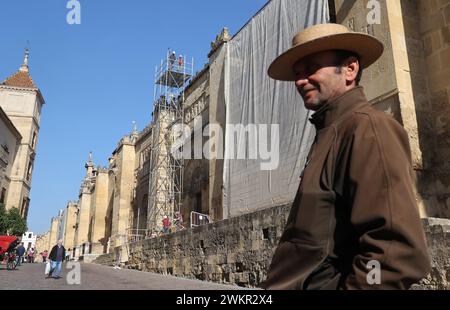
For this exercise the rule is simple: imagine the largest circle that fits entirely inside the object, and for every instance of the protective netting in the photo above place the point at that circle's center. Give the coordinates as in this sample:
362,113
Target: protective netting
253,98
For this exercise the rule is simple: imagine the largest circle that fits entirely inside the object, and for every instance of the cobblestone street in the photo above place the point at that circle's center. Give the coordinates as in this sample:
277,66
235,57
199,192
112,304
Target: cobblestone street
96,277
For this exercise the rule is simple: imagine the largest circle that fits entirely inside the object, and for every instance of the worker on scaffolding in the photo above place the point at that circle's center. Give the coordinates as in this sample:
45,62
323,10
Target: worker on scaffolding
166,225
178,221
180,62
162,101
172,58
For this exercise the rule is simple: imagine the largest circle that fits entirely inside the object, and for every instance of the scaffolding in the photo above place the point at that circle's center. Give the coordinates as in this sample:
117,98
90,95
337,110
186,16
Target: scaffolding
166,170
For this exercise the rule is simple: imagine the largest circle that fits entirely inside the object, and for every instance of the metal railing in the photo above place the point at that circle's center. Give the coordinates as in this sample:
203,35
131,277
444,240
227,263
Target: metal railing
198,219
135,235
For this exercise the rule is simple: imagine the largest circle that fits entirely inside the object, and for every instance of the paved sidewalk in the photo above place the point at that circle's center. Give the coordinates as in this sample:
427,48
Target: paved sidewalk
97,277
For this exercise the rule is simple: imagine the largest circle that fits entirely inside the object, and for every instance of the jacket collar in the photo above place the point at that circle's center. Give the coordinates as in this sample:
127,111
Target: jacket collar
339,107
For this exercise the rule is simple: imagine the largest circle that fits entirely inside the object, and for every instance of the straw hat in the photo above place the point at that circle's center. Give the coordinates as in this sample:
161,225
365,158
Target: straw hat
325,37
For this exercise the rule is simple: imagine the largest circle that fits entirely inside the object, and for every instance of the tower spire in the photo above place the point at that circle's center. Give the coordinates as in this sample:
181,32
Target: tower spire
22,77
24,66
90,161
89,165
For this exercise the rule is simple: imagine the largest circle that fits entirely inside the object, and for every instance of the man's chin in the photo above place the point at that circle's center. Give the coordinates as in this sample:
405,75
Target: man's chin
312,105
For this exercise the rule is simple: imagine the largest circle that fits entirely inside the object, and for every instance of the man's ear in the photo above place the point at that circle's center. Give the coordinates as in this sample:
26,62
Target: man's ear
351,69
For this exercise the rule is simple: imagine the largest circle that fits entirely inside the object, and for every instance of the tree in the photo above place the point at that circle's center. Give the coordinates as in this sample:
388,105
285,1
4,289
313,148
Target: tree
11,222
16,225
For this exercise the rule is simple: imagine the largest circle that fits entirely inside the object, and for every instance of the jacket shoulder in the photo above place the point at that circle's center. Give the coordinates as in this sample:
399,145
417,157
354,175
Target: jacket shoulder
375,119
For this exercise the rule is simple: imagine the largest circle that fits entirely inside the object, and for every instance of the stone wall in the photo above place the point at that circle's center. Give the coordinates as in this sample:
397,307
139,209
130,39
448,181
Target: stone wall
411,81
53,233
239,250
434,30
438,238
71,221
99,206
236,250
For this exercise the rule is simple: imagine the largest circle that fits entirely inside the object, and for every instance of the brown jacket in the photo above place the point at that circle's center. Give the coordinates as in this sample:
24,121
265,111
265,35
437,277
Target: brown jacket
355,203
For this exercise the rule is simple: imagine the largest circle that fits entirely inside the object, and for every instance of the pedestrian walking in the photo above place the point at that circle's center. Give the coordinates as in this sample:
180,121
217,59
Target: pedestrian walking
31,253
20,251
57,256
44,256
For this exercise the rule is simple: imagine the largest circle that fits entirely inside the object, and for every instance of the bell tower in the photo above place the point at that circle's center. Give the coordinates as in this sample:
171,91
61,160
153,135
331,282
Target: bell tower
22,102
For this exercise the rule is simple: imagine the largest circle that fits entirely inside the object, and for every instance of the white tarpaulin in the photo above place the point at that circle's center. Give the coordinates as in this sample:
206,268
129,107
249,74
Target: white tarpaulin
257,102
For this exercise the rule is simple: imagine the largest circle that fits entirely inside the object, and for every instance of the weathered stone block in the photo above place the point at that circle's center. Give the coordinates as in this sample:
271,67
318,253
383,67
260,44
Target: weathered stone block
445,58
436,38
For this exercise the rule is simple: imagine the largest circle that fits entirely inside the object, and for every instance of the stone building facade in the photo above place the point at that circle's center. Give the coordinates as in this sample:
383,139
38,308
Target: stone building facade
70,215
102,214
196,169
141,182
81,233
122,173
97,213
9,144
53,232
42,244
22,102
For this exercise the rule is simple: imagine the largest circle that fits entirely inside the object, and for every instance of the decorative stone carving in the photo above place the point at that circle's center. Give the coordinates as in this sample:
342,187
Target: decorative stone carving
223,36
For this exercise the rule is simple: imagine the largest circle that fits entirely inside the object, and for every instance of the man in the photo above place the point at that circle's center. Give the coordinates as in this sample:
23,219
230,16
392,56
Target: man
20,250
57,256
354,223
31,254
172,59
44,256
166,225
178,221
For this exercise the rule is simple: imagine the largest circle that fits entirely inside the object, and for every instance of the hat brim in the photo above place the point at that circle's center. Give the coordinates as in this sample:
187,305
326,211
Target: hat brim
367,47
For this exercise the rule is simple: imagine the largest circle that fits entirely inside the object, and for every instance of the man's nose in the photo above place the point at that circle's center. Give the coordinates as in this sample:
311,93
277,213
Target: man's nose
301,82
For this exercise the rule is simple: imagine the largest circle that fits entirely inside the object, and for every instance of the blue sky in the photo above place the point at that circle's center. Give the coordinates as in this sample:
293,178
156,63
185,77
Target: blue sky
97,77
